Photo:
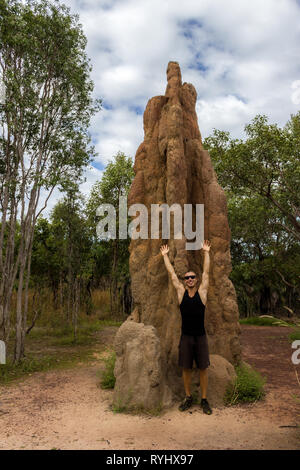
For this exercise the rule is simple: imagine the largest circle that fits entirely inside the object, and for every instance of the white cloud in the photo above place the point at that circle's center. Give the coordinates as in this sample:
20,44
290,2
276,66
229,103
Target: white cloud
295,97
117,130
92,175
223,113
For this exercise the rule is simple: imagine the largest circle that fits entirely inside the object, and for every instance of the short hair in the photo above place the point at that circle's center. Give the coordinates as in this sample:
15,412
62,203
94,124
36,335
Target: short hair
191,271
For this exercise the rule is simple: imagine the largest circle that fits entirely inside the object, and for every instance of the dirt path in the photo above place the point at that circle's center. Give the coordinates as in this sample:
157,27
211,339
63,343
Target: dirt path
66,409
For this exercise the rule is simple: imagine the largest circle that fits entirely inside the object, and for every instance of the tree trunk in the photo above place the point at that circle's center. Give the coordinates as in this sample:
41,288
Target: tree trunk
61,293
115,292
8,273
26,294
19,342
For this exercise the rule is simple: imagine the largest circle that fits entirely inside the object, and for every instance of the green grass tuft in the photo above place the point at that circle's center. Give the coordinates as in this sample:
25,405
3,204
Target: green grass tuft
196,398
294,336
247,387
265,321
108,379
119,407
70,340
32,363
53,345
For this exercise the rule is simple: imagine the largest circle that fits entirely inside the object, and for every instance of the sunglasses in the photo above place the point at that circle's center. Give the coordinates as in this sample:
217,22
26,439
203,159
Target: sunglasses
189,277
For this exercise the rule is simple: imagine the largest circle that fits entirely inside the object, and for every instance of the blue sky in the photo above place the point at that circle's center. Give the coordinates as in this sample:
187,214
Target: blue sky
242,57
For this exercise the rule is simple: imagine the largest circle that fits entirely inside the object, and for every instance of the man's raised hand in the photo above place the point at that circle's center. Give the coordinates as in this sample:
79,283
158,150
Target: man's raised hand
164,249
206,245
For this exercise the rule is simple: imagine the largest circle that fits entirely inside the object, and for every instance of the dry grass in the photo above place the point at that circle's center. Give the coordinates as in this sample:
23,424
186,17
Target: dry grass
101,303
52,341
43,302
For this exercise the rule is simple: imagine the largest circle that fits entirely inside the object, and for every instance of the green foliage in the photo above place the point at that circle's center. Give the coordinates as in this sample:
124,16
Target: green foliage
57,338
59,328
140,409
259,321
296,326
115,182
248,386
72,340
40,362
196,397
120,405
265,164
45,141
71,236
261,178
27,366
62,255
112,255
108,379
48,90
295,335
116,179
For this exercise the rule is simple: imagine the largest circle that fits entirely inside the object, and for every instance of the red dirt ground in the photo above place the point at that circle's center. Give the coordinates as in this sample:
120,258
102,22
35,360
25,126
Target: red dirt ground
66,409
267,349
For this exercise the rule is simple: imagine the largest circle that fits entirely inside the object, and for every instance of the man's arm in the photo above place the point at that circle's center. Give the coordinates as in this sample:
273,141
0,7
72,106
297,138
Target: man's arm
175,281
203,289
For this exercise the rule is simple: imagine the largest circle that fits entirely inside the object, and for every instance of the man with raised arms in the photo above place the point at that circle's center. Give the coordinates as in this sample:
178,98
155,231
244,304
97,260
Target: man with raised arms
193,342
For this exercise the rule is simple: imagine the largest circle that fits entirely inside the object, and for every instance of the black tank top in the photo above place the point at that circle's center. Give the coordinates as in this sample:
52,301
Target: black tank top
192,313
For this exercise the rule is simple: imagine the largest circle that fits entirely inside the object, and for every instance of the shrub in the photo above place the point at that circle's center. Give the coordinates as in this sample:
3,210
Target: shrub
108,379
247,387
28,365
294,336
296,327
259,321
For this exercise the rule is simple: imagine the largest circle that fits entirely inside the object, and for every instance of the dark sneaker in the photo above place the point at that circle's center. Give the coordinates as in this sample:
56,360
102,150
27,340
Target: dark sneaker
187,403
205,406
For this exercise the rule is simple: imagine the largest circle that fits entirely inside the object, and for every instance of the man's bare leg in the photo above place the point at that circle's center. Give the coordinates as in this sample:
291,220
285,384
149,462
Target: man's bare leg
188,400
203,385
203,382
187,378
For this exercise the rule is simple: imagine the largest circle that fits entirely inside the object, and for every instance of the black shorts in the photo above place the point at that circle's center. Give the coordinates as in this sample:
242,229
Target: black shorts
193,347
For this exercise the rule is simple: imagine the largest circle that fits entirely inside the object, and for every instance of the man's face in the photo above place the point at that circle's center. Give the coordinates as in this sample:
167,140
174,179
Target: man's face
190,279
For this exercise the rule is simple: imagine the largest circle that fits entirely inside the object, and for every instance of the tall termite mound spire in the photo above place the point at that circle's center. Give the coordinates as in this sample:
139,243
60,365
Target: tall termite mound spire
172,167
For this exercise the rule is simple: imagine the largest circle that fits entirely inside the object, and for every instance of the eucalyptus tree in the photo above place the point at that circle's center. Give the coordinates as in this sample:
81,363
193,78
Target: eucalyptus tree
44,139
261,177
70,230
115,182
266,163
